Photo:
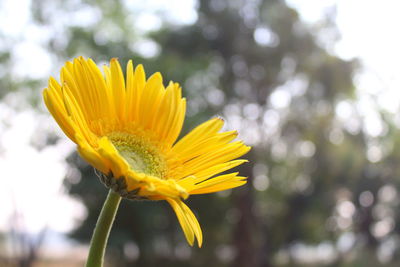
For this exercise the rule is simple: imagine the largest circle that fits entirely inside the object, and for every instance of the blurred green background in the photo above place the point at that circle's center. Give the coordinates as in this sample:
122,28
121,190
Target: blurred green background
323,172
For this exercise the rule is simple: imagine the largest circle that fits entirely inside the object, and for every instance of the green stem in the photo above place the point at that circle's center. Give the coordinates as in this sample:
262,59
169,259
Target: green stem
102,230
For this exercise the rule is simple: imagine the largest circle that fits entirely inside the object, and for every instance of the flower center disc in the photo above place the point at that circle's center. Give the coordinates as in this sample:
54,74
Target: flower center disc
141,156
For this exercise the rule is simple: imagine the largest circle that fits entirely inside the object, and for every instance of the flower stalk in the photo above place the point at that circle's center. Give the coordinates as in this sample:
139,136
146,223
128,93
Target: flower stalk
102,230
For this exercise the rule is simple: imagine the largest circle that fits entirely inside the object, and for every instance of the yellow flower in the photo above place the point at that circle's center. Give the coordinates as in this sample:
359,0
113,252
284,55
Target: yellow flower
127,129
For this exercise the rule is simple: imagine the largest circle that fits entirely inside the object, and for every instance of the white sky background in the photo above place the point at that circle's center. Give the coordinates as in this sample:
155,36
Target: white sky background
369,32
31,180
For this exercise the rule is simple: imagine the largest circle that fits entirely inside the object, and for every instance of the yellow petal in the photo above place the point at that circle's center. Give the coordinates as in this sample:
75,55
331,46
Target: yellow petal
218,187
118,88
119,166
91,156
188,221
201,132
218,182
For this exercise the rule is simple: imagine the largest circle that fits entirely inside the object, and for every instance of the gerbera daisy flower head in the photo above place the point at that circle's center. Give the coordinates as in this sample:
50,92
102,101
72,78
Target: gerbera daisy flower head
127,126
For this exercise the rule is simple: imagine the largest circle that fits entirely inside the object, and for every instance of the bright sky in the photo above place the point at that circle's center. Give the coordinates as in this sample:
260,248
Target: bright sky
369,31
31,179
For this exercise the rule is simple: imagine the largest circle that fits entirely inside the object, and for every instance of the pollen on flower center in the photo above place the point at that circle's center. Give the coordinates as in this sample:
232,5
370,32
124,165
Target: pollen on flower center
141,156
